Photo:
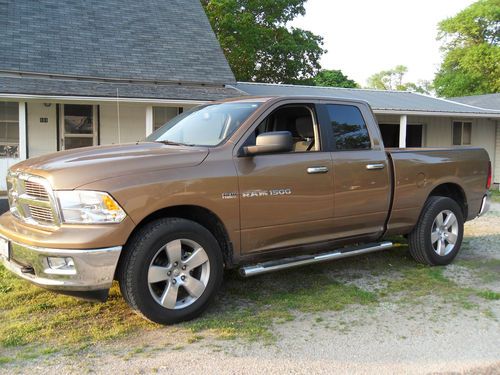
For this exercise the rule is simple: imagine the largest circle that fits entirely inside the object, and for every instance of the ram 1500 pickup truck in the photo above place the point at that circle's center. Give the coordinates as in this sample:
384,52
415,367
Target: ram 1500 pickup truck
257,183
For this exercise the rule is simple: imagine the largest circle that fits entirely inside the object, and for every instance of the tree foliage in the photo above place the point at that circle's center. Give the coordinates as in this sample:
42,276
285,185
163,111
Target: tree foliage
471,63
259,45
393,79
333,78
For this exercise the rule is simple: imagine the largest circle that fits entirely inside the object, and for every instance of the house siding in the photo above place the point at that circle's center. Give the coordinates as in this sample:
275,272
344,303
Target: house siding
132,122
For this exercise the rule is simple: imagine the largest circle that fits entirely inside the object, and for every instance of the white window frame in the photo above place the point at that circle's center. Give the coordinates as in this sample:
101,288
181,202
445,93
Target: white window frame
63,135
461,122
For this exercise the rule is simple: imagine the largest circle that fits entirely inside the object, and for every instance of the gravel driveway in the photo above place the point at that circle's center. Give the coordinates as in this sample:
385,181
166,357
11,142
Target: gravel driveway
420,336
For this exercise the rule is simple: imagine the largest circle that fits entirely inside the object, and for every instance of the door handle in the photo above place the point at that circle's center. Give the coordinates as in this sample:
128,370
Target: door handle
313,170
372,167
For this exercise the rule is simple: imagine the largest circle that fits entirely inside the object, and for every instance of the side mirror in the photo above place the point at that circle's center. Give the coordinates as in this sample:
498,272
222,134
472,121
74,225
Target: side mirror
271,142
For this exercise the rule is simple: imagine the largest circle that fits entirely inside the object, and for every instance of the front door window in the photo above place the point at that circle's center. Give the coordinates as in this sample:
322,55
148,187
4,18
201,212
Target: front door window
78,126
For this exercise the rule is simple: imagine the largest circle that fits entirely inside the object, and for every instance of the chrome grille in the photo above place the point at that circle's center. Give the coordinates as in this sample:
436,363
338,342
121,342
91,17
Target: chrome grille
31,199
36,190
41,214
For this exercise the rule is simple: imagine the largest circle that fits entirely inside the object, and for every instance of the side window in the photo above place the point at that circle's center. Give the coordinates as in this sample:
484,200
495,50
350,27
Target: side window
297,120
349,127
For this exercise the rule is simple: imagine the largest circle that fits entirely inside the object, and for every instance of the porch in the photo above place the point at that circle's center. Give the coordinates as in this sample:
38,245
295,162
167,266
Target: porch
36,127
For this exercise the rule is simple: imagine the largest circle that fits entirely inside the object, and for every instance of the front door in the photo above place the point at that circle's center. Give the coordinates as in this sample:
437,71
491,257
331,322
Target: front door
286,199
78,126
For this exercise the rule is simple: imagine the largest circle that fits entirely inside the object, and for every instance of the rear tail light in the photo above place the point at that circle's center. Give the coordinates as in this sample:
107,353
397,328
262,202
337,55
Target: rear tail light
488,181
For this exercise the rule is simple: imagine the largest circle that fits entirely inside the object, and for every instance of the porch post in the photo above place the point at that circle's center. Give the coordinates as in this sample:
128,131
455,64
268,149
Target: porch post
149,120
22,131
402,131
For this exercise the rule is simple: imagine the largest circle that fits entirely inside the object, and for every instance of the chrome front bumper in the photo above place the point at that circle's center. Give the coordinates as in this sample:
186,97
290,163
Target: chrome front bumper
93,269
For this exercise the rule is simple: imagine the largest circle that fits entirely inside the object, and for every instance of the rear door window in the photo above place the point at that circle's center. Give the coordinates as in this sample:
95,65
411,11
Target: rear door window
348,128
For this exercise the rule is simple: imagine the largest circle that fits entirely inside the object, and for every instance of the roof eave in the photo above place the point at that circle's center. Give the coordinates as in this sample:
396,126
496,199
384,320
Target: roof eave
436,113
99,99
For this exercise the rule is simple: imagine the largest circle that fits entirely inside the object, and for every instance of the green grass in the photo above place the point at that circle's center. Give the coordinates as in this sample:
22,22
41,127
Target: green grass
495,195
489,294
249,307
31,315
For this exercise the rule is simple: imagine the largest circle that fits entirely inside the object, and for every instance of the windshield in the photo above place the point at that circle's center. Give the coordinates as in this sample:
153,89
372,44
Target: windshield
207,125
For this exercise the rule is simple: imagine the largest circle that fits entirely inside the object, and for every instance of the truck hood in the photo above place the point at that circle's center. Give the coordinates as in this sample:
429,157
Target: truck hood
74,168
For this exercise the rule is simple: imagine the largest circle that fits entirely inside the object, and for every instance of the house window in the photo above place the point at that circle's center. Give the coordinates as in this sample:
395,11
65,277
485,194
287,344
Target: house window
9,130
390,135
462,133
79,126
162,115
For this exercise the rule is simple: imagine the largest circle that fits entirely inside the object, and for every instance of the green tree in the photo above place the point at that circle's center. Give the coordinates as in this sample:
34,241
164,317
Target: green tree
333,78
393,79
259,45
471,63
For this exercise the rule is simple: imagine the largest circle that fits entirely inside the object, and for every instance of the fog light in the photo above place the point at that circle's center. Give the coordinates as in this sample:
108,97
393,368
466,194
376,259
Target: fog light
61,263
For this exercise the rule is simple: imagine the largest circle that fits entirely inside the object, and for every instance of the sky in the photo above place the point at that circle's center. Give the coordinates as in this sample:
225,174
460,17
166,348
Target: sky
366,36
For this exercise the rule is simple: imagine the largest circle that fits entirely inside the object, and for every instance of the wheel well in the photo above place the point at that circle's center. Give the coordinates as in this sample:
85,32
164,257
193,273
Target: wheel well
454,192
202,216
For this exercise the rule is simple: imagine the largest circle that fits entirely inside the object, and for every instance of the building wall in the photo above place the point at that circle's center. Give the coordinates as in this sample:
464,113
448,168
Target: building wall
496,170
131,120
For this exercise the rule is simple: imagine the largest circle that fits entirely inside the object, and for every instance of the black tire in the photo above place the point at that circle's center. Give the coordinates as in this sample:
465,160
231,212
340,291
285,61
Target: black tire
421,246
143,248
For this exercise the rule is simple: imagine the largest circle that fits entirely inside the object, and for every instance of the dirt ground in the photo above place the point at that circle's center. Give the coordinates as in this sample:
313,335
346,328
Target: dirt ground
412,337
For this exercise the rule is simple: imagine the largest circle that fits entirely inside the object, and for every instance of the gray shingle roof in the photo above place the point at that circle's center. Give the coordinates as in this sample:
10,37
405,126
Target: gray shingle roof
378,99
58,87
488,101
168,40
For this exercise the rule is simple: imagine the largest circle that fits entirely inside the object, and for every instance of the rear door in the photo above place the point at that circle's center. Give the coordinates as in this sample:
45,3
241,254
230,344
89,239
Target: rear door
286,199
361,172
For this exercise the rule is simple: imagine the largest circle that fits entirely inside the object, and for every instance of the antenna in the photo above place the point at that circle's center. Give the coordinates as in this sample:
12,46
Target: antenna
118,115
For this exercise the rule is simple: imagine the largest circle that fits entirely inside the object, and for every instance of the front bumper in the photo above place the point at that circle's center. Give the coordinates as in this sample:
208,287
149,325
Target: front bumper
93,269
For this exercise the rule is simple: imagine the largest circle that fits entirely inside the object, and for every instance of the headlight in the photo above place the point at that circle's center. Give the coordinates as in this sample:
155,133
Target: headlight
89,207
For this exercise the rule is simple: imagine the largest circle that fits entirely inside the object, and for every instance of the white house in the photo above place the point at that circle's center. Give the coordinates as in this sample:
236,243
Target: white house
74,74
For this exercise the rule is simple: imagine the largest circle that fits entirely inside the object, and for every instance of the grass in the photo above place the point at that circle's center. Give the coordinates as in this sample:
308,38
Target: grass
31,315
495,195
489,294
37,323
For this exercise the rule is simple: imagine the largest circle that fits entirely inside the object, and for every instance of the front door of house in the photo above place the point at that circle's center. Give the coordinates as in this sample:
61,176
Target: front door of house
78,126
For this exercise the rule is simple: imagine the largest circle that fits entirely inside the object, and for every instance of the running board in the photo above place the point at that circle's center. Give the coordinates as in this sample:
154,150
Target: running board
281,264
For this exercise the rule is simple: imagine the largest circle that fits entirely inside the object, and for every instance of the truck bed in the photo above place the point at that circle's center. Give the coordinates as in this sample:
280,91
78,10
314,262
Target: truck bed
418,171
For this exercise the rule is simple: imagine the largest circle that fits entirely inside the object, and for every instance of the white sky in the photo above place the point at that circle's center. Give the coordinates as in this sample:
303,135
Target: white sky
366,36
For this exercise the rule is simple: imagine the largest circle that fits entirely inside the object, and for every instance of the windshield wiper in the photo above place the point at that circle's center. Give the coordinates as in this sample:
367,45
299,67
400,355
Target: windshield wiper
167,142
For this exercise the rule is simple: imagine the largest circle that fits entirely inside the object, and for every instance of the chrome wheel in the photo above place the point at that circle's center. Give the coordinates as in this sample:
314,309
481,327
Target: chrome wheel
178,274
444,233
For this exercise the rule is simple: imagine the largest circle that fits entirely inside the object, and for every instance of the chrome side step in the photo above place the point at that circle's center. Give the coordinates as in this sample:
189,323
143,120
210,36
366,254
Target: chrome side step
281,264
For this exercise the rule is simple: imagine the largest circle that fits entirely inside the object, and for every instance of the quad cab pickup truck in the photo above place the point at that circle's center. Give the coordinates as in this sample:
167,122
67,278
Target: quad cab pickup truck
259,183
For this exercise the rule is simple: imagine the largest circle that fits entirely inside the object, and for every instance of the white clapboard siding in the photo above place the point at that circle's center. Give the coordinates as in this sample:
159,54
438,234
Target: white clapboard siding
5,164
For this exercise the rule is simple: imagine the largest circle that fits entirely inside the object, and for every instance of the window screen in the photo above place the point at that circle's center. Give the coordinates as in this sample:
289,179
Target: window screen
462,133
9,129
457,133
349,127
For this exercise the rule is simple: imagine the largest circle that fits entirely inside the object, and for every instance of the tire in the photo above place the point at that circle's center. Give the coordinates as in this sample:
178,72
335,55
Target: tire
171,270
434,240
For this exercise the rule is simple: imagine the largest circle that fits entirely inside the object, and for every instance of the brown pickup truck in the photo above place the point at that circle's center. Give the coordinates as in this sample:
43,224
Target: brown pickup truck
261,184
